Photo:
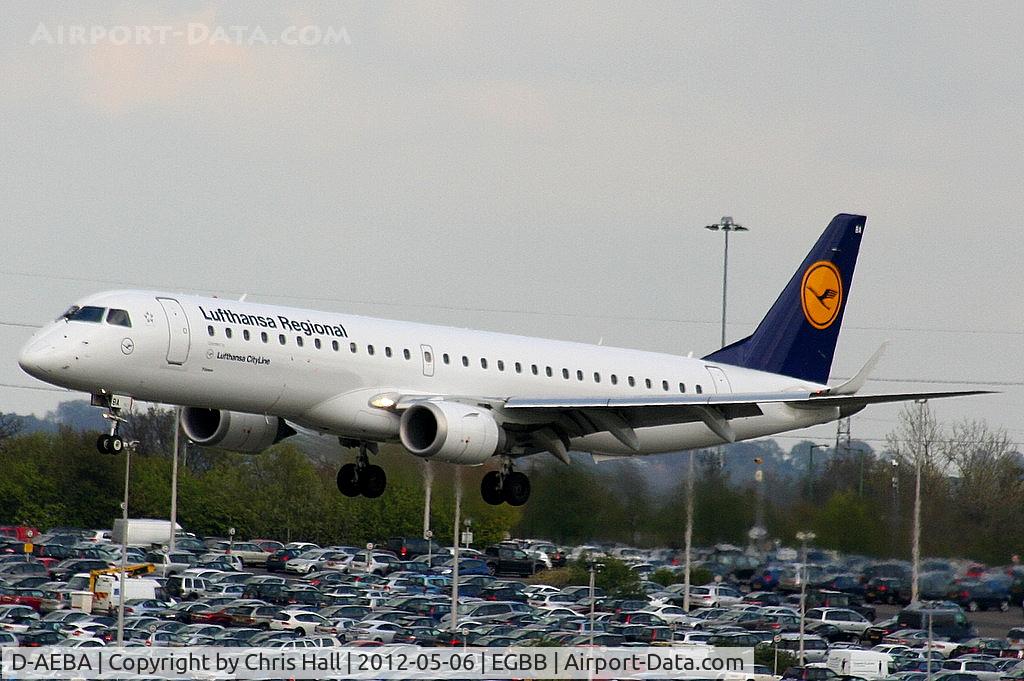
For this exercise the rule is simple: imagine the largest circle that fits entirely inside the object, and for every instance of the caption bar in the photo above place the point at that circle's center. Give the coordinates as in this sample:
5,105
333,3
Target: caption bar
387,662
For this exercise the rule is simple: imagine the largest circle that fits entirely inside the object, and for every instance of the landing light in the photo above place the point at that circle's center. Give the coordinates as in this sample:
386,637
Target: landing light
385,401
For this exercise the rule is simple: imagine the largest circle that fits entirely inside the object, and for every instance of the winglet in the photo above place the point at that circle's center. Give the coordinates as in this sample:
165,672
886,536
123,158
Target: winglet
857,382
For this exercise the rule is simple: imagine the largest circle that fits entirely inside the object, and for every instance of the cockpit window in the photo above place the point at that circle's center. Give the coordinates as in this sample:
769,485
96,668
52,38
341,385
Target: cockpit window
119,318
85,314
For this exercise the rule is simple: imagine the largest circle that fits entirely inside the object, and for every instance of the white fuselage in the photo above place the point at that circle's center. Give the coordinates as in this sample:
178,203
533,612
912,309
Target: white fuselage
321,370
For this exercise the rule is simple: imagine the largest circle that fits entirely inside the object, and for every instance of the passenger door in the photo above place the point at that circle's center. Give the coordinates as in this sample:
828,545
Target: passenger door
178,336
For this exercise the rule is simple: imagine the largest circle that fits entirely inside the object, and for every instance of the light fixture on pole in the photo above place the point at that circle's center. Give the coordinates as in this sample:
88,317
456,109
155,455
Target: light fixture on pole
803,538
726,224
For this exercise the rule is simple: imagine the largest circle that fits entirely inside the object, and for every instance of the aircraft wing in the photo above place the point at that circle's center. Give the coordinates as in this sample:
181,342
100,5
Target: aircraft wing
552,421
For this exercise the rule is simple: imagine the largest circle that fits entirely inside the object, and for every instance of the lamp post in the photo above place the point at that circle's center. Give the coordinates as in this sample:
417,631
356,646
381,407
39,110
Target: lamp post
810,469
455,550
916,546
594,568
231,541
895,500
726,225
128,447
803,538
174,481
689,533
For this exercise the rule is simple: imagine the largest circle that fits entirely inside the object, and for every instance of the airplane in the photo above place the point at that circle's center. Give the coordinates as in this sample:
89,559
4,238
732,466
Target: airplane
249,375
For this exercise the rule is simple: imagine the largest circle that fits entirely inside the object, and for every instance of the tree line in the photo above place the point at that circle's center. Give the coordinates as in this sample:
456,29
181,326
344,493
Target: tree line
855,499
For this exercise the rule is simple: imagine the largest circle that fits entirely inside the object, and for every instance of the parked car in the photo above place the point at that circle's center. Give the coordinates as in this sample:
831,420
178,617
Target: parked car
980,595
277,560
502,559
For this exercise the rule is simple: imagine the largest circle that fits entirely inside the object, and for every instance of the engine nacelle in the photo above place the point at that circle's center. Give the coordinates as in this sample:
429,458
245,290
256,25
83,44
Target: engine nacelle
452,432
232,430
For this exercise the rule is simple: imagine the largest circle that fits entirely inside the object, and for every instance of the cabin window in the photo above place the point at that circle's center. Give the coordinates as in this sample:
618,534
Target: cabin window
615,379
465,361
352,348
369,349
227,332
483,363
245,334
597,377
631,381
119,318
548,371
682,387
209,330
700,390
647,382
298,341
281,339
446,359
501,365
387,351
316,343
533,368
565,373
427,357
334,345
664,386
405,353
519,368
263,336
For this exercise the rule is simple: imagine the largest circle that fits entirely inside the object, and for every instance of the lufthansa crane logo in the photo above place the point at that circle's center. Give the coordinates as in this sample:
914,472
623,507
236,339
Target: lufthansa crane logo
821,294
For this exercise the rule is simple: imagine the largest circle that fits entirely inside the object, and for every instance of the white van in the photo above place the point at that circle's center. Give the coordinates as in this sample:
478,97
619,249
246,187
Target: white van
108,591
867,664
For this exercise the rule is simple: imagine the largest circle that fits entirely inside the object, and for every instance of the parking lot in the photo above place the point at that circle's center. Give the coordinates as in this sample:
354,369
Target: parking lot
223,592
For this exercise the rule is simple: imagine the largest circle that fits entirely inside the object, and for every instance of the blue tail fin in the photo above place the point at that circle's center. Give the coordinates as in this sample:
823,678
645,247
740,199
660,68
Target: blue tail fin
798,335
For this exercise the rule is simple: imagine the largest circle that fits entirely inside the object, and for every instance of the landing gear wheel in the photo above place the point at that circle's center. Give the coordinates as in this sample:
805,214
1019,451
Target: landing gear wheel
491,489
517,489
348,480
103,444
372,481
116,444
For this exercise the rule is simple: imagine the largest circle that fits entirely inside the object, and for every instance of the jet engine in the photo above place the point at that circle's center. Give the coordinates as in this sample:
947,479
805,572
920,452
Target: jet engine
451,432
232,430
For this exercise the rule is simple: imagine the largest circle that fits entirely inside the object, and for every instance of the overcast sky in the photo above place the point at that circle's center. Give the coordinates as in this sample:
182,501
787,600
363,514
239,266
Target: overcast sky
529,168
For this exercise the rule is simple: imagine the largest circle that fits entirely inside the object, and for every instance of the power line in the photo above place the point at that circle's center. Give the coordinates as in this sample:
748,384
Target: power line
491,310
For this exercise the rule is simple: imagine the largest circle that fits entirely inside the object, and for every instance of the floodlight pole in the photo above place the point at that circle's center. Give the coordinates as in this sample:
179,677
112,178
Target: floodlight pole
174,481
455,550
726,225
129,446
803,537
689,533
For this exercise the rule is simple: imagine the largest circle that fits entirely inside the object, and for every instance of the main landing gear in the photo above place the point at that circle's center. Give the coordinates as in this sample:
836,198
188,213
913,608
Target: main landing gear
112,443
362,477
505,486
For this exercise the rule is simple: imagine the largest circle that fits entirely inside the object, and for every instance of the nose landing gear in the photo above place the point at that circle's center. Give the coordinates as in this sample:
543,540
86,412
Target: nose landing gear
362,477
112,443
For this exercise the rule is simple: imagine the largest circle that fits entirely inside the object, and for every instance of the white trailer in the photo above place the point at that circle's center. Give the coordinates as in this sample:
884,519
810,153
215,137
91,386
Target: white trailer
143,532
867,664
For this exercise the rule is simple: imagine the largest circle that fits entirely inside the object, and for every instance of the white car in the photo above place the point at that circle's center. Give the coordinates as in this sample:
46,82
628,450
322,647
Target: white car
316,559
302,622
845,620
373,630
713,596
536,589
669,613
374,563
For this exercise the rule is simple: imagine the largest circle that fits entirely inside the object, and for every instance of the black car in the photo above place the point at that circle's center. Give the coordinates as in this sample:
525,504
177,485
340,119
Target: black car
64,570
978,595
35,638
509,560
276,561
891,590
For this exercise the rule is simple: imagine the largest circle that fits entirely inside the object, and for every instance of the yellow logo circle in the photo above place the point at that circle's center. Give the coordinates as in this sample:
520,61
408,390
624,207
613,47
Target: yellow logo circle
821,294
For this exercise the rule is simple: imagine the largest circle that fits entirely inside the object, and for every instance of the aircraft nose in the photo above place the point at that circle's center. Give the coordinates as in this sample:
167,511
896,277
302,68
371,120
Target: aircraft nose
37,358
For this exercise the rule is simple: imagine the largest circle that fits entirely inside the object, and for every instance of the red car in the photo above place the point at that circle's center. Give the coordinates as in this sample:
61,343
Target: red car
33,598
